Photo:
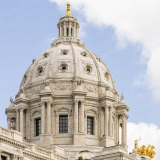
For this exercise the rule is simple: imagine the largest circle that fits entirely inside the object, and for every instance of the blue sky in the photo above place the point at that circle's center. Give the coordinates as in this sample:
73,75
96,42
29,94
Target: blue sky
28,27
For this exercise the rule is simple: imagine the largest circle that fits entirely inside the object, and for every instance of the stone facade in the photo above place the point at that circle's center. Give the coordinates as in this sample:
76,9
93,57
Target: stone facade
67,80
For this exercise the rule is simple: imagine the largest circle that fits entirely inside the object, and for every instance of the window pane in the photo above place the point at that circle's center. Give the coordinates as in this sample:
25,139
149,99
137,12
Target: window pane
63,124
38,127
90,125
3,158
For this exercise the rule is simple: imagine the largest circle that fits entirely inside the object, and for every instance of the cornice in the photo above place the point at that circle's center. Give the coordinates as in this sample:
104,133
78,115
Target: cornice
13,142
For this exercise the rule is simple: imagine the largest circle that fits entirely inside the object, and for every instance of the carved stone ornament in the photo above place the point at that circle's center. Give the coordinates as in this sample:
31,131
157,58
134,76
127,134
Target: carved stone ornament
45,55
99,59
64,52
106,75
122,97
11,99
63,87
90,88
63,67
33,61
37,90
107,88
24,79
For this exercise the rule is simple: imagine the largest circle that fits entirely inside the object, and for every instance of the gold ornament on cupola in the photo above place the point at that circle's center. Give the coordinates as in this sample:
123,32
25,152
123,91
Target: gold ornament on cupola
68,13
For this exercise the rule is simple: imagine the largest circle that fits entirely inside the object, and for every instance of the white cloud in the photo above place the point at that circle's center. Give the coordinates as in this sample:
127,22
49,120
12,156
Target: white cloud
149,133
135,21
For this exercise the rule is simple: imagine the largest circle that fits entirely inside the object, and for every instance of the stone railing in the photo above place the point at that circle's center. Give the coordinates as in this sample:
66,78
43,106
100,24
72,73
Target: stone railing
13,136
65,39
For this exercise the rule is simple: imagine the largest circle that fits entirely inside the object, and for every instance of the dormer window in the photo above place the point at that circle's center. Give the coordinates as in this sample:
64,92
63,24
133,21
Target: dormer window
88,69
63,67
46,54
64,52
84,54
40,70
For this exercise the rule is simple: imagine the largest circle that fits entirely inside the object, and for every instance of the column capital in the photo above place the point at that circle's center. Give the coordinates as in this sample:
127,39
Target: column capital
82,101
111,106
21,109
48,103
76,101
124,115
42,103
8,118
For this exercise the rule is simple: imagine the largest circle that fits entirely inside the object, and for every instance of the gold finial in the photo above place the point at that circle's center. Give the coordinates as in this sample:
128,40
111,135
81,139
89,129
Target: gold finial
68,13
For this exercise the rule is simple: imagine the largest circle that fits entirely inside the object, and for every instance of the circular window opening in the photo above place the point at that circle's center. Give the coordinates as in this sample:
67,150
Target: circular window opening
40,71
63,68
88,70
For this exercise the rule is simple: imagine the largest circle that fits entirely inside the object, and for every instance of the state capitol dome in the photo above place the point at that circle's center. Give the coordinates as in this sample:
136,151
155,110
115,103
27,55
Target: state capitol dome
67,98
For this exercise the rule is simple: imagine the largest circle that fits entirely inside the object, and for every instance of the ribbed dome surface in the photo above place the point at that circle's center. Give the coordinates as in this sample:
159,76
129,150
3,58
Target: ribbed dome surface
65,62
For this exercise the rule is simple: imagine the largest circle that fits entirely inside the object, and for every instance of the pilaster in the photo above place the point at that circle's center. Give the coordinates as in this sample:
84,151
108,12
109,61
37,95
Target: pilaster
110,121
106,120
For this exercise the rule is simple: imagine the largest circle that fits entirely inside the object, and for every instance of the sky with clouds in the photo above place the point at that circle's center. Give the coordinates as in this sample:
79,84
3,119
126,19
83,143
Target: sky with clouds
124,33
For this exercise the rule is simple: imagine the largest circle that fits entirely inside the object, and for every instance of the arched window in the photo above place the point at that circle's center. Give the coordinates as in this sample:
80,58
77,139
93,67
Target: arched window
67,32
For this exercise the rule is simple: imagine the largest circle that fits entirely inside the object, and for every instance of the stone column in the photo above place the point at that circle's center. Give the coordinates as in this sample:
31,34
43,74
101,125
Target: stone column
60,30
82,117
17,120
64,29
48,117
123,129
117,129
126,128
110,121
74,30
69,29
42,117
21,120
9,122
106,121
77,31
76,117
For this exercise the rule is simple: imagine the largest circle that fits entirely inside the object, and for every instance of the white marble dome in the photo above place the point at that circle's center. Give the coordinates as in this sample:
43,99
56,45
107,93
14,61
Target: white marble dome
65,61
67,98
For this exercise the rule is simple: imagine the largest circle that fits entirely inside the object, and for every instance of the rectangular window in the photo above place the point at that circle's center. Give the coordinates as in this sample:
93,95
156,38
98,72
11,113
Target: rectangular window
38,127
3,158
90,125
63,124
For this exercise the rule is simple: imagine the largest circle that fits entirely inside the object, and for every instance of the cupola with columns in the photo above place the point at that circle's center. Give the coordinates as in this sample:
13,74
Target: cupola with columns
68,25
68,98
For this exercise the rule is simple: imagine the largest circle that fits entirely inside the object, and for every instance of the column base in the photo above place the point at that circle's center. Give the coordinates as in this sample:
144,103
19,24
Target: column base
79,139
107,141
46,140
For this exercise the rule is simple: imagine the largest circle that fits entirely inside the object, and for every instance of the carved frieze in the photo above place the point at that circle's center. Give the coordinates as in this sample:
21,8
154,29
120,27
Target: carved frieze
90,88
37,90
63,87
